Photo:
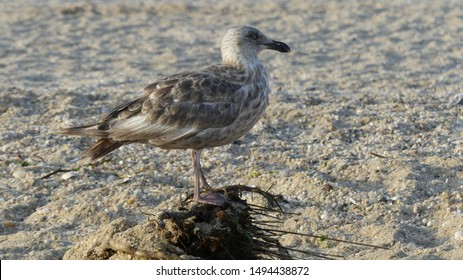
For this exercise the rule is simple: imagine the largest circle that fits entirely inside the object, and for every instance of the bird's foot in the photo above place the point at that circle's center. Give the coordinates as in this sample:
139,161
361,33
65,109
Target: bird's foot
204,184
212,198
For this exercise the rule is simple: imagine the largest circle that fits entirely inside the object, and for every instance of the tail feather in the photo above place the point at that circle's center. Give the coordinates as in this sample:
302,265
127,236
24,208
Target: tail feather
101,148
85,130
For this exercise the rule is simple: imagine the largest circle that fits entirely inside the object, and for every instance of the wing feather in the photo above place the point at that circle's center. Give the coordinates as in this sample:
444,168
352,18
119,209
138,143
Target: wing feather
176,107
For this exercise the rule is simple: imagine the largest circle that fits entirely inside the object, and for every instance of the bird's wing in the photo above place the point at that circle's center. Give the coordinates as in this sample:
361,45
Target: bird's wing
176,107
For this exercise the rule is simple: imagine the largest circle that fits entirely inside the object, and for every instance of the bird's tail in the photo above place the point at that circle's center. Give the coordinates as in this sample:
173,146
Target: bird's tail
84,130
101,148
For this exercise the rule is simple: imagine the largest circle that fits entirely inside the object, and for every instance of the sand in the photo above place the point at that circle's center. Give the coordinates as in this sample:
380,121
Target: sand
363,136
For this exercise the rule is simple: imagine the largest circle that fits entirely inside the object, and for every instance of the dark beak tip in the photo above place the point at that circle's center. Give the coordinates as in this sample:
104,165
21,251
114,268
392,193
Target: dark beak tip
279,46
284,48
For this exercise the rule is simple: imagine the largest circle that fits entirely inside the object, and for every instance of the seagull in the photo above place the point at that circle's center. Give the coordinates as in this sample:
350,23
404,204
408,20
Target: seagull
193,110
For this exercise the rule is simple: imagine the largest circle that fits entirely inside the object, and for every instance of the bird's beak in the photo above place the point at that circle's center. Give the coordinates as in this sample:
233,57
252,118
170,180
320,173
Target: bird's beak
278,46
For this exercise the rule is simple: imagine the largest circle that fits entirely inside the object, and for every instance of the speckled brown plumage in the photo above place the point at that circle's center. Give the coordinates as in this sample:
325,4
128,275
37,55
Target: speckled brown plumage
193,110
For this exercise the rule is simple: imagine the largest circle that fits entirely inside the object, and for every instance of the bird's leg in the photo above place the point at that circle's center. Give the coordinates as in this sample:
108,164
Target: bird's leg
197,172
204,183
200,181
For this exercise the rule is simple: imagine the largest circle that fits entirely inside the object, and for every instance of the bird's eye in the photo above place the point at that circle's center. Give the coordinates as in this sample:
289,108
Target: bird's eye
254,36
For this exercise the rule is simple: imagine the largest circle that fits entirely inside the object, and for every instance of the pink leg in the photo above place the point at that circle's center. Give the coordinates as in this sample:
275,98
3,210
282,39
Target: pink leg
204,183
195,156
200,181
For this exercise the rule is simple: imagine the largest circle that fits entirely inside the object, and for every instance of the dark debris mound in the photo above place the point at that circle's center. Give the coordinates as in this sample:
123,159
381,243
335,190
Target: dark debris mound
233,231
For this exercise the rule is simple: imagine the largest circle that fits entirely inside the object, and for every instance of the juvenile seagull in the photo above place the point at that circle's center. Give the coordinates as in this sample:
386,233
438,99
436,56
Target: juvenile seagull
193,110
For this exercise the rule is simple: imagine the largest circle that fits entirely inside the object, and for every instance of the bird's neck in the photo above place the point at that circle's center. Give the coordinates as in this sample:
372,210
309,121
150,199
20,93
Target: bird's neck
250,65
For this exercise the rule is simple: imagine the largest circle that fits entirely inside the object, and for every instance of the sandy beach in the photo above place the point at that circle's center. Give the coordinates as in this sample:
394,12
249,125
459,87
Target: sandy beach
363,137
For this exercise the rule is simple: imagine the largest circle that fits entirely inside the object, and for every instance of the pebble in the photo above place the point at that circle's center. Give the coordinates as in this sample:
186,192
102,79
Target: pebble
457,99
328,187
372,197
325,215
5,148
43,210
9,224
459,236
353,201
111,178
411,246
284,173
131,200
69,175
19,173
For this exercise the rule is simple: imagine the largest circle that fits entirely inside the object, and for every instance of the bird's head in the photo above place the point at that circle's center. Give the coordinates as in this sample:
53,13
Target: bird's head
243,43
